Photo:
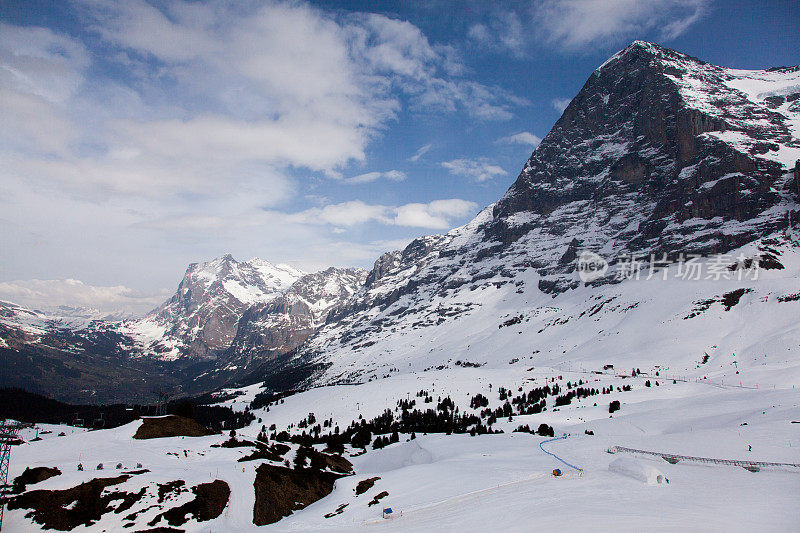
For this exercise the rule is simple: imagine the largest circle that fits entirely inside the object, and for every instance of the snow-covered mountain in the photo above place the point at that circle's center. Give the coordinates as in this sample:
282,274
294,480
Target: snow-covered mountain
660,155
204,313
225,320
269,330
286,321
67,317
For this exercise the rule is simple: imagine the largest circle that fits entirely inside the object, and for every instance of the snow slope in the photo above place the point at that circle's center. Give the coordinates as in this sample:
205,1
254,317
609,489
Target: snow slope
642,323
489,482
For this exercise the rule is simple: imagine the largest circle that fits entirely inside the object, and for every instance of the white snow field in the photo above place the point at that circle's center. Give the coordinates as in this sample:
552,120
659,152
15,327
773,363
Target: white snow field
634,469
498,482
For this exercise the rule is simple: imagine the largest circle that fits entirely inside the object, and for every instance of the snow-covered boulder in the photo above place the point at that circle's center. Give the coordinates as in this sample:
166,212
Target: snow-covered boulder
636,470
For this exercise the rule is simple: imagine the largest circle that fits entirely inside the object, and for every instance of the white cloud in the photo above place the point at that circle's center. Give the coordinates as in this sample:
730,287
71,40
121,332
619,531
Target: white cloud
368,177
581,23
476,99
420,152
479,32
476,169
281,142
135,241
204,142
39,71
502,31
51,293
526,138
560,104
397,47
215,88
438,214
345,253
435,215
429,74
343,214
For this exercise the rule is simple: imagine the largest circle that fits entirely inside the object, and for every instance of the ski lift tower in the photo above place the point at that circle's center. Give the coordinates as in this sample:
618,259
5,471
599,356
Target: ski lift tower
8,434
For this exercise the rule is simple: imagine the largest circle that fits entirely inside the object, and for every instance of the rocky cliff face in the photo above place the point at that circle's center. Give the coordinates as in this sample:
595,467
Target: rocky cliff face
269,330
203,315
285,322
659,153
228,318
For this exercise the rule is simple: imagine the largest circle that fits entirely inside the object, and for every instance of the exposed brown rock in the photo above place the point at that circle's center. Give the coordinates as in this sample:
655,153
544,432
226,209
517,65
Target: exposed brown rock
166,490
31,476
377,498
274,452
282,491
797,177
365,484
337,463
88,504
209,502
730,299
339,510
170,426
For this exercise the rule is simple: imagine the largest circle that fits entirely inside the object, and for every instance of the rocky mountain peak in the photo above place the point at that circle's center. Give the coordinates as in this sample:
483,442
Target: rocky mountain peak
269,330
656,139
203,313
644,51
658,153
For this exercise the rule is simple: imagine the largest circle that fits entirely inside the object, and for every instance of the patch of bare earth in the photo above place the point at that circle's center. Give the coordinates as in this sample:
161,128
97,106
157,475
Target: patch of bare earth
281,491
209,501
170,426
378,497
336,463
274,452
31,476
365,484
67,509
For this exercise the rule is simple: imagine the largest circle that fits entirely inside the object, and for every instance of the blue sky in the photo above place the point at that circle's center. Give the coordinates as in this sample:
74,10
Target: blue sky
137,137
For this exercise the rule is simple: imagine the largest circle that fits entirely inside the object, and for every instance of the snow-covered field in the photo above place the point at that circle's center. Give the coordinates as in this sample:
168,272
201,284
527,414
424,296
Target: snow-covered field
489,482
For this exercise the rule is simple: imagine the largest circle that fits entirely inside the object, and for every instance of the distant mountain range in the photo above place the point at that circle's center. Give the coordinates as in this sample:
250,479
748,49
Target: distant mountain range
225,318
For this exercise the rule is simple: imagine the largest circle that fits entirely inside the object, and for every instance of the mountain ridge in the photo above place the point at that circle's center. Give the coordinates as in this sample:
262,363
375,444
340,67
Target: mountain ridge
660,153
182,345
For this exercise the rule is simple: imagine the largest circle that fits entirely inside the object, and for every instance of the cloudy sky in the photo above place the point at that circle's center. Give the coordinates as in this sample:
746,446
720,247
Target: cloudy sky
139,136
